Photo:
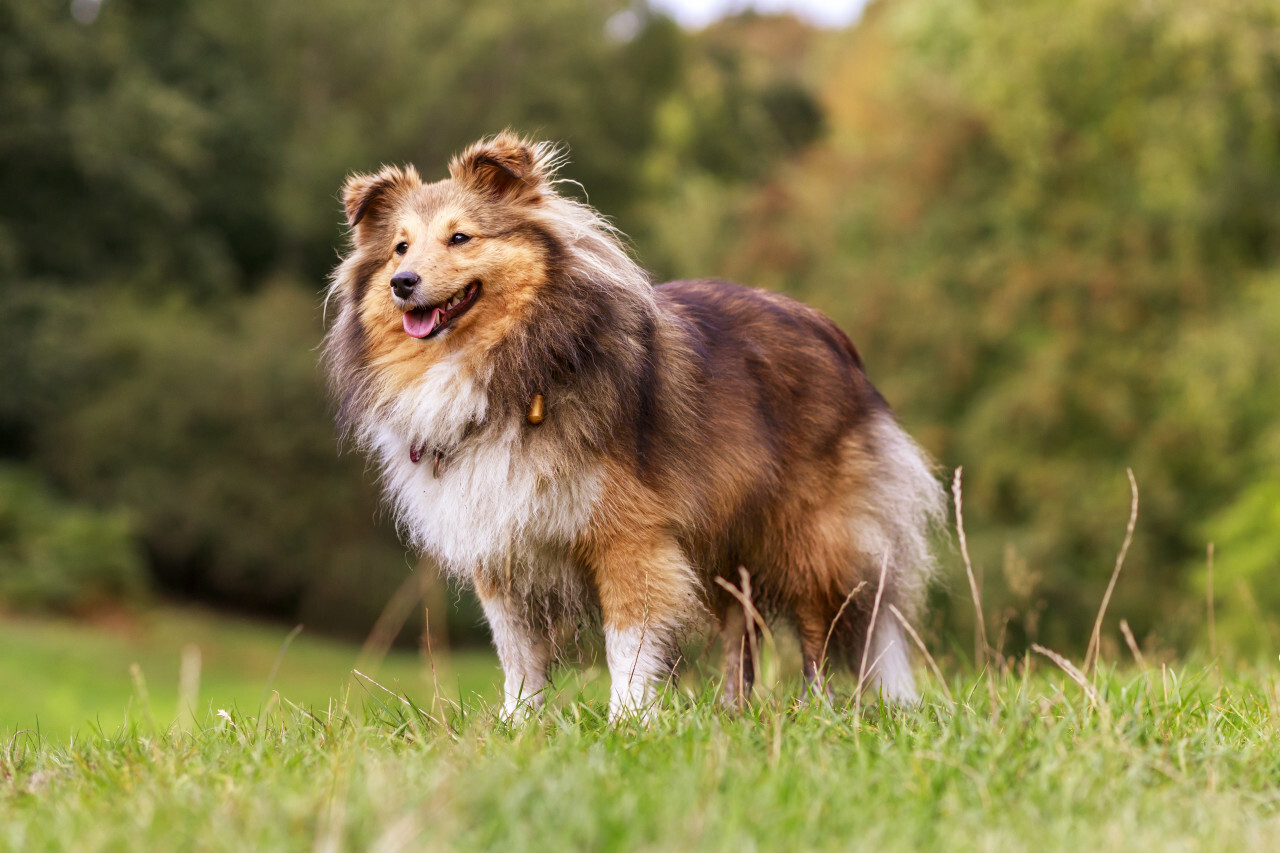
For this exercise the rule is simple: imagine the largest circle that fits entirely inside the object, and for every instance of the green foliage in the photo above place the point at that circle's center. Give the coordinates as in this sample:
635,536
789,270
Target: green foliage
100,154
59,557
205,145
169,213
1247,538
1051,231
1250,526
210,425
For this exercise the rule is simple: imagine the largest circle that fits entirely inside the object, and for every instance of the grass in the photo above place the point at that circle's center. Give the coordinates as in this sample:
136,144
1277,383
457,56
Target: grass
64,678
1166,759
289,751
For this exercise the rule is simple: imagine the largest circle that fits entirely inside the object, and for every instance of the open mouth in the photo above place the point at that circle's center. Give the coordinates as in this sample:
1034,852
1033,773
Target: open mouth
425,322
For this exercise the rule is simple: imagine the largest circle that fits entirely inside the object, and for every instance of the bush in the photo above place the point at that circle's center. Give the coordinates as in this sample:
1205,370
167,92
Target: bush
1051,230
62,557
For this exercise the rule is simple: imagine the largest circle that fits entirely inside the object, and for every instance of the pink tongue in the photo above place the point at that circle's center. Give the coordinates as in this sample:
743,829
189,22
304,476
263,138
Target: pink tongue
419,324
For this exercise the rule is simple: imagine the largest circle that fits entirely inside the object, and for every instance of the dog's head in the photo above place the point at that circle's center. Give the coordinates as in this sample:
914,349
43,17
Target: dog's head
439,266
490,269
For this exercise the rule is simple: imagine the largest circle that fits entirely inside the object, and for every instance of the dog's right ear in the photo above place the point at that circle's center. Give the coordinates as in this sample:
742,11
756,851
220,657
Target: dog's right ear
366,196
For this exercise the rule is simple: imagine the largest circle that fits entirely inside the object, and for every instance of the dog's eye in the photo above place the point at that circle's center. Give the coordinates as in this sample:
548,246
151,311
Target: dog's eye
458,239
401,248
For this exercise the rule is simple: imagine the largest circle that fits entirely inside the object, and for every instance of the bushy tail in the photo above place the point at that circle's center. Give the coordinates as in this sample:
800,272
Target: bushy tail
897,512
906,507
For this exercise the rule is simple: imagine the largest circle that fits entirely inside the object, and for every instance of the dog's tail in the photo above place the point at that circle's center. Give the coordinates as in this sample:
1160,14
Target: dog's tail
899,510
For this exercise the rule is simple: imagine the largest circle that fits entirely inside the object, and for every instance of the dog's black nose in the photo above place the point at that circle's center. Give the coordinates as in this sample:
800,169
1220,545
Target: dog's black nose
403,283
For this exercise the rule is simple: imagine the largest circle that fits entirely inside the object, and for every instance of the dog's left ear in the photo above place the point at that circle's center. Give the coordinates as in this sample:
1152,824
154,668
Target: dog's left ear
505,167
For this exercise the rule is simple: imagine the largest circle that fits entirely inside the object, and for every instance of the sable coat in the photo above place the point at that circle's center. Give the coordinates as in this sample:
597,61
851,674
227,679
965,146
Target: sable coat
687,430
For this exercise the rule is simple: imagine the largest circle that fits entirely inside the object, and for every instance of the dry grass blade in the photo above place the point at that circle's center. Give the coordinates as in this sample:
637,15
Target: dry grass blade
644,630
742,670
399,698
434,596
981,648
1213,633
857,705
1070,669
431,661
753,615
189,664
871,627
752,641
933,664
748,607
980,643
389,623
1095,640
403,700
1132,644
822,659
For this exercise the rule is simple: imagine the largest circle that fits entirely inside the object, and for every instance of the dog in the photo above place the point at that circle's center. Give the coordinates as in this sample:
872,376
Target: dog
577,443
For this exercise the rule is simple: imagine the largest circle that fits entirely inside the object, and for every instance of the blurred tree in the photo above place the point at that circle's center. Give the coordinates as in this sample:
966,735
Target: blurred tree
1050,228
744,106
99,156
63,558
168,213
210,425
1030,216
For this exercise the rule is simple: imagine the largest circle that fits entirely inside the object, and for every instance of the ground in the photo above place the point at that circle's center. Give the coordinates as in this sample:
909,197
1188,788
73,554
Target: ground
1181,757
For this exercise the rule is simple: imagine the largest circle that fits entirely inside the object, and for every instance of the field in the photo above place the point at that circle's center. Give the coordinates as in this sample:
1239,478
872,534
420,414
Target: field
64,678
1159,758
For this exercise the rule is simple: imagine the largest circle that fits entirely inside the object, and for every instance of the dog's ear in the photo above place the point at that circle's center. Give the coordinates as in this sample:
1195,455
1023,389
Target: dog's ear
505,167
366,196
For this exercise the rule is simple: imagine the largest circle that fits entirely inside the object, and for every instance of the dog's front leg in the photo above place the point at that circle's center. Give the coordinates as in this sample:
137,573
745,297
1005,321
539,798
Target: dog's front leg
647,590
525,652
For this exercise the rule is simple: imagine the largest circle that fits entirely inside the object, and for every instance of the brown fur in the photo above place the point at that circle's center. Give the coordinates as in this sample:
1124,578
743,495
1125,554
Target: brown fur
724,427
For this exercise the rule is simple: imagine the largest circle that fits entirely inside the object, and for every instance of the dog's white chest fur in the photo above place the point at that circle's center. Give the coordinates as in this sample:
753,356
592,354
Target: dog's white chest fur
492,502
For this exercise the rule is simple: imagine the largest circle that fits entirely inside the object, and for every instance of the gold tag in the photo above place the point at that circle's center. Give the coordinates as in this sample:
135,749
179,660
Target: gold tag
535,409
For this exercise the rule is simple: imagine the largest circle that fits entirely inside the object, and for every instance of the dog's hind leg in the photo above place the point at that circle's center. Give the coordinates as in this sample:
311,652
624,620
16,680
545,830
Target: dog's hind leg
888,660
739,661
812,625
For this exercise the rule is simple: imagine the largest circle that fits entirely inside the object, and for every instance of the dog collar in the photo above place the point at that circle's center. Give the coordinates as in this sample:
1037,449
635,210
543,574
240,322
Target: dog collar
537,411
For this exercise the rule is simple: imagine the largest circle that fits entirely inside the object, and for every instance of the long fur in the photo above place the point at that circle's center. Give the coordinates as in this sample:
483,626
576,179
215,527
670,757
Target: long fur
689,429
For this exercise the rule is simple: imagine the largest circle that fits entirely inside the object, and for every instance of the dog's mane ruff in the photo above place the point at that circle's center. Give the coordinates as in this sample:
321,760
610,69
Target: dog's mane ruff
349,378
585,338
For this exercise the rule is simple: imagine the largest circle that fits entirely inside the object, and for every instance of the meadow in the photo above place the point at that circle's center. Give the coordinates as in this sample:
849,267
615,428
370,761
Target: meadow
1141,756
66,679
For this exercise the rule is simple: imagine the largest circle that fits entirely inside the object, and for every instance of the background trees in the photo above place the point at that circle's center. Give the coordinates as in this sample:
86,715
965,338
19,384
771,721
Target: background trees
1051,230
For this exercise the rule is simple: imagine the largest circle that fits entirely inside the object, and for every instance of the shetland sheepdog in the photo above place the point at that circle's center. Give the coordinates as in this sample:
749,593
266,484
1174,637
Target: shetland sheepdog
578,444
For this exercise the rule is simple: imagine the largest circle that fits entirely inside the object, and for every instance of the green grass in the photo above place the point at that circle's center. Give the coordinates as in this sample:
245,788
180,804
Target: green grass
1169,759
66,678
